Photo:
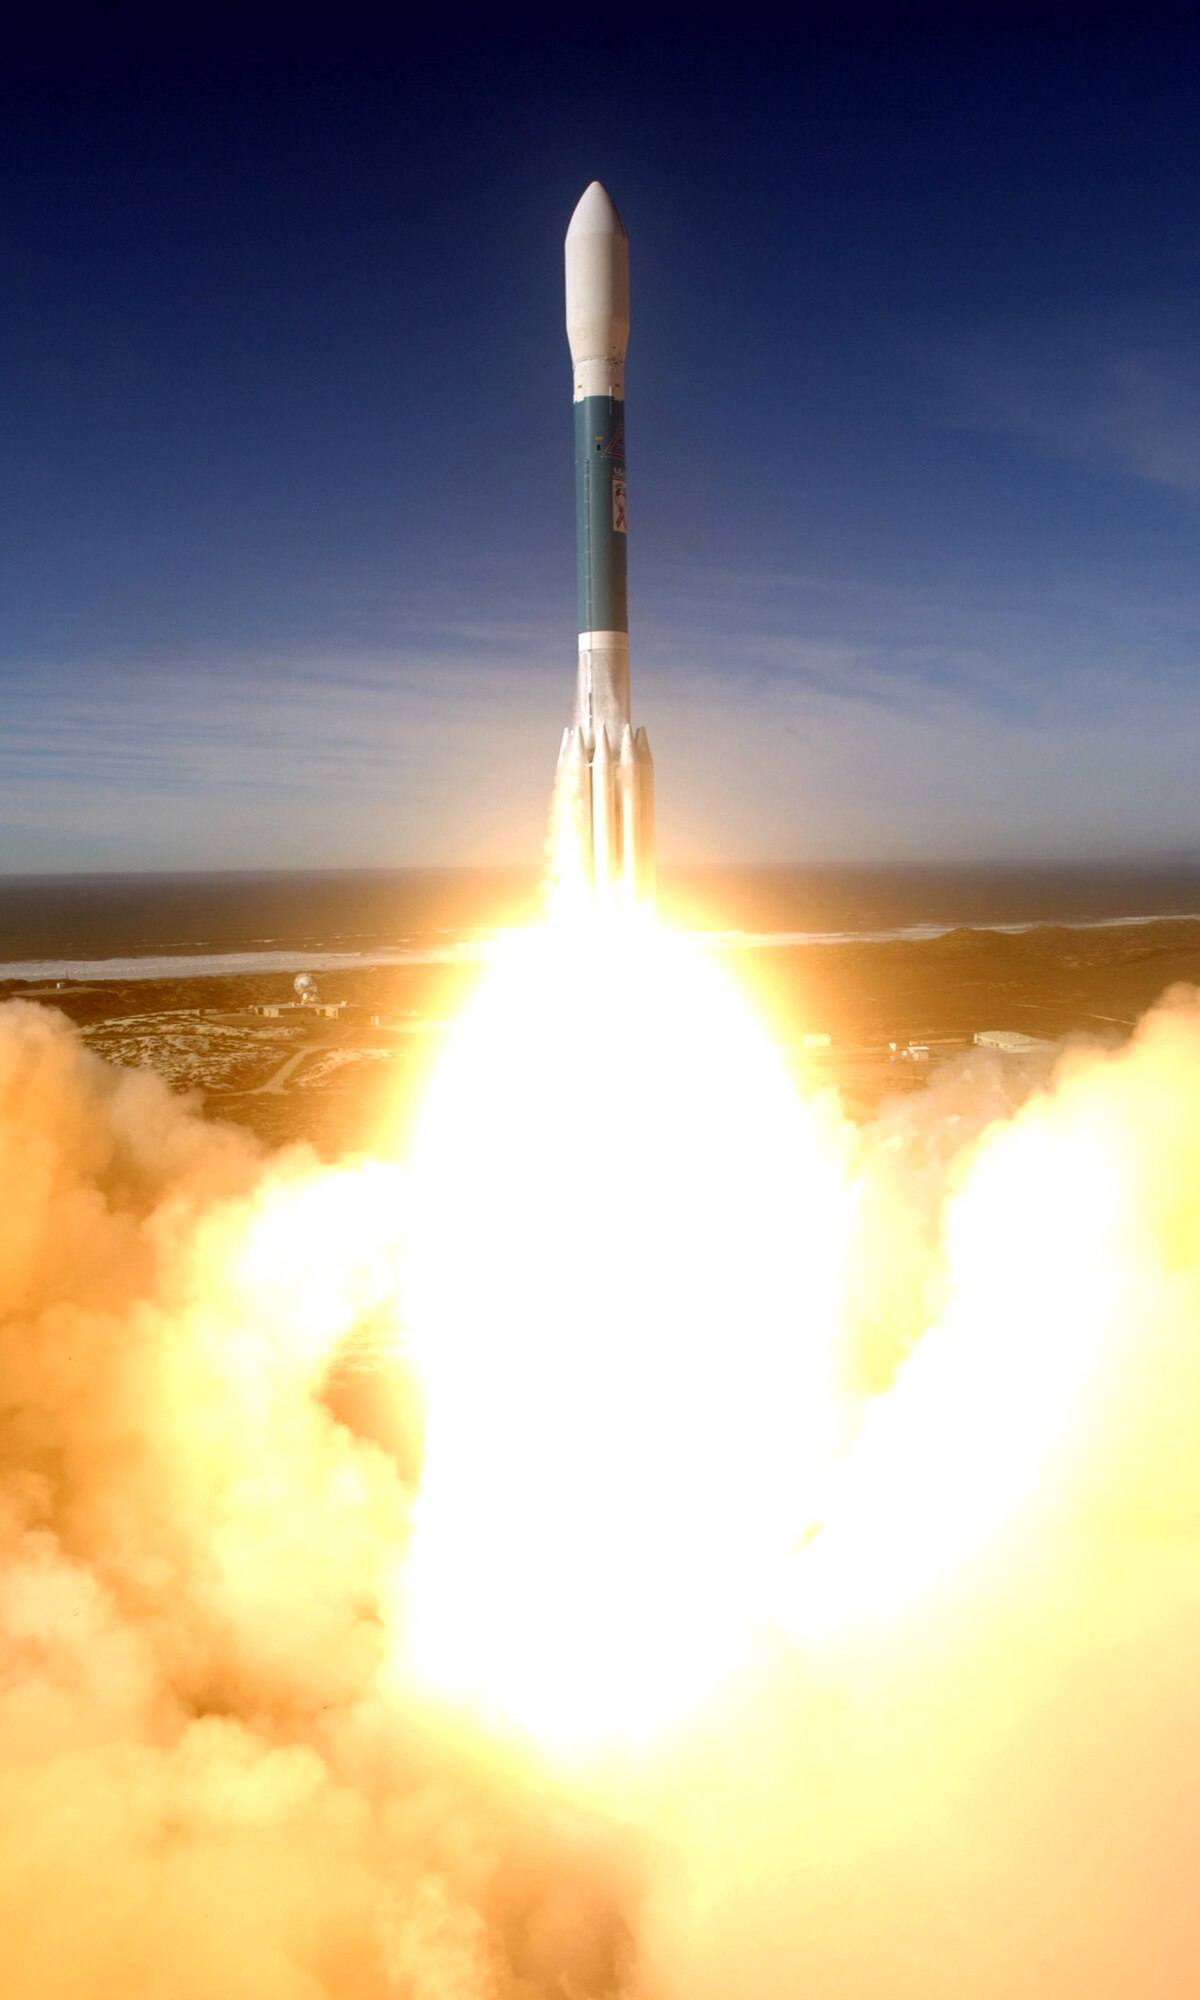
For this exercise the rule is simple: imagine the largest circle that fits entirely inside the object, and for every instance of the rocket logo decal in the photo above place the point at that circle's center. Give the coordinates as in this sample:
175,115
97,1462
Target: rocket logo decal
618,493
615,448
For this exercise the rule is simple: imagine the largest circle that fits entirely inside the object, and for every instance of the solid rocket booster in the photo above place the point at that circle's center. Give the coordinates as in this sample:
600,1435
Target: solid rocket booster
614,812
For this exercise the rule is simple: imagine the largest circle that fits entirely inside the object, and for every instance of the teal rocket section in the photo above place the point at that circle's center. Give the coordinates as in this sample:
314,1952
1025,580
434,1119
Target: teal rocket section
600,514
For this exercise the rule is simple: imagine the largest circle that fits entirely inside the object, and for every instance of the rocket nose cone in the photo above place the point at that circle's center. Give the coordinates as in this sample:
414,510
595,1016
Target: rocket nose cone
596,255
595,214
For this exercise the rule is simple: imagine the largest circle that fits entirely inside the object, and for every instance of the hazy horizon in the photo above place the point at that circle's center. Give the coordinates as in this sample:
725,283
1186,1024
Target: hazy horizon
924,864
52,923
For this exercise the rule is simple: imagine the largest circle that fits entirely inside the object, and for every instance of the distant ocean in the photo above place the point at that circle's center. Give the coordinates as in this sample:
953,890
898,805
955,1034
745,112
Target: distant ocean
155,926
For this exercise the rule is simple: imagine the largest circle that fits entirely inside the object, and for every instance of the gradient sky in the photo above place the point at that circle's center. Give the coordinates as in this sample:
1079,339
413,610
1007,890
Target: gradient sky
286,543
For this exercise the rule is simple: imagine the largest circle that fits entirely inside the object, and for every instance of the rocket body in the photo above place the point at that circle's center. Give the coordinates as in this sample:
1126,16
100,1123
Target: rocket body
616,820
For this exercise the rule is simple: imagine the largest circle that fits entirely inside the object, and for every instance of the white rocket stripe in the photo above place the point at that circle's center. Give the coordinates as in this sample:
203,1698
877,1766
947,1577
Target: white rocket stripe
600,378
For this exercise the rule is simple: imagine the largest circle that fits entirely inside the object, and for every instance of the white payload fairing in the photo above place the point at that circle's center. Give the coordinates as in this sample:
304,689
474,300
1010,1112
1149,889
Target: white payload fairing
605,785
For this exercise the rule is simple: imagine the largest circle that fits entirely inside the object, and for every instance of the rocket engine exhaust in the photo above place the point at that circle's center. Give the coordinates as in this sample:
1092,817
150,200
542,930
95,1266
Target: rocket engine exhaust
605,781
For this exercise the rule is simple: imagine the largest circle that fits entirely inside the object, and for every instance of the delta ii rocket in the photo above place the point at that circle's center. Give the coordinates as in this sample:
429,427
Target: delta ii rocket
605,784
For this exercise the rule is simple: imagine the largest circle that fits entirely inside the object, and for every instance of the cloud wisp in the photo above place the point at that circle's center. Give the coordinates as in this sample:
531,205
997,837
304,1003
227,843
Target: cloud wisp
1116,391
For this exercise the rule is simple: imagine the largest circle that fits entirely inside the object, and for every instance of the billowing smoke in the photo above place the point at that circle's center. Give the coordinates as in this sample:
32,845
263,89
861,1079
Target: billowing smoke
203,1789
964,1759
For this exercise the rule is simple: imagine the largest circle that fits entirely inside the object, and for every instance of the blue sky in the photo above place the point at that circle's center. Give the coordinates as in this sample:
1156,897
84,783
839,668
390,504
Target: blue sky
286,548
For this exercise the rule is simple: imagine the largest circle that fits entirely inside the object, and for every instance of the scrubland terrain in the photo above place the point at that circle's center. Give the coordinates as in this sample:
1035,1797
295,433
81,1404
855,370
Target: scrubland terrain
347,1083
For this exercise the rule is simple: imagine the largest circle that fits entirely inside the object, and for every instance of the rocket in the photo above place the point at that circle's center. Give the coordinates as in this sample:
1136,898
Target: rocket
605,786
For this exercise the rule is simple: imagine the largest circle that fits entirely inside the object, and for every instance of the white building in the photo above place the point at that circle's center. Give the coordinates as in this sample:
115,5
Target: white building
1011,1042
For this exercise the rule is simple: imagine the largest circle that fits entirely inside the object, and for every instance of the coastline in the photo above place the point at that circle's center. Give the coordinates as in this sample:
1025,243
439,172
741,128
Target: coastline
475,947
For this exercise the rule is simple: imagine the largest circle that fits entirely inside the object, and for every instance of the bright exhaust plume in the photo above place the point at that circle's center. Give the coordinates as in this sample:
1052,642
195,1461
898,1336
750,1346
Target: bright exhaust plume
630,1375
835,1490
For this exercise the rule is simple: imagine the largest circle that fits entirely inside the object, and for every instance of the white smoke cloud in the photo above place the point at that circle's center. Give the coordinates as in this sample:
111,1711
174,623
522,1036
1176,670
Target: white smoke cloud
214,1778
202,1789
